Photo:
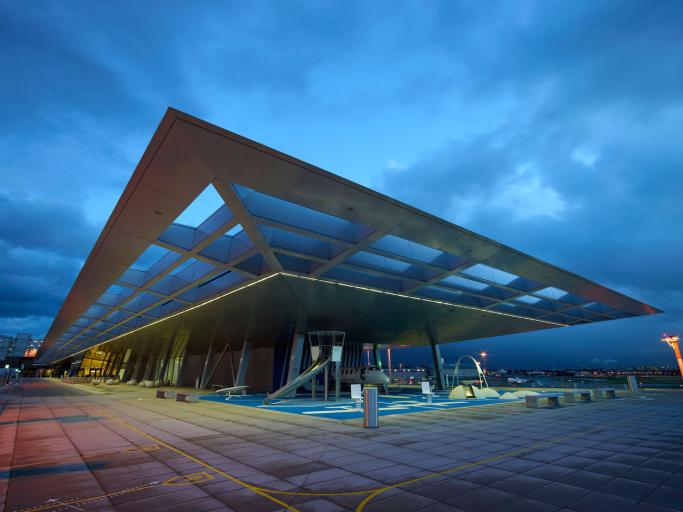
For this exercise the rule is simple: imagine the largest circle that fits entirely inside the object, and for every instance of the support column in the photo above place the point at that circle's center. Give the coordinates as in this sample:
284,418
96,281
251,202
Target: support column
209,356
107,364
376,355
205,371
438,366
167,358
244,364
295,355
183,364
138,364
150,363
127,363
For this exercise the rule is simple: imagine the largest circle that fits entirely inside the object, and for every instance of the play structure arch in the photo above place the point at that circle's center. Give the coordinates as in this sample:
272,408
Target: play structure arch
480,373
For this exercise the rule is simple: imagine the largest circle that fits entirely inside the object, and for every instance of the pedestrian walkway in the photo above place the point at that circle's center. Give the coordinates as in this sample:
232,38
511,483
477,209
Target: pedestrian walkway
65,448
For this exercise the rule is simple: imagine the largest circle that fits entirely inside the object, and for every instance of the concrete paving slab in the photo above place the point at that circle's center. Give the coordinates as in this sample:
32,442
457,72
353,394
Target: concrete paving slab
121,449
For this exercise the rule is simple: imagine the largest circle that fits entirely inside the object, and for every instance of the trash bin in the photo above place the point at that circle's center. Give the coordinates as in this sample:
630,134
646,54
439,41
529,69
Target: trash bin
370,410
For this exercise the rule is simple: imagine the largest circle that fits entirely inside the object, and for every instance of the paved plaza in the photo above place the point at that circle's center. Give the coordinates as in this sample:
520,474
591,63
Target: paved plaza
70,447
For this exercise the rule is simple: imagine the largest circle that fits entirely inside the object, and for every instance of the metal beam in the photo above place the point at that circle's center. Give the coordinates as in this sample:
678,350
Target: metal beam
237,207
350,250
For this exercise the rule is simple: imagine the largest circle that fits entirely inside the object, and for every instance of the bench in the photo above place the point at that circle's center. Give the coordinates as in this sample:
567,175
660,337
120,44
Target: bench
185,397
552,399
231,390
163,393
579,395
605,393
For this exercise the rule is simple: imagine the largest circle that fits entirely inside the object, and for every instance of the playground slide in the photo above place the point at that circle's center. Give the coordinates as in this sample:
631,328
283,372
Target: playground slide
310,373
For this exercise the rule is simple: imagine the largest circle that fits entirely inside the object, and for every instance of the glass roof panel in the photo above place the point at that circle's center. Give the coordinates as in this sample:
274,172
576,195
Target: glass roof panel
551,293
528,299
199,210
490,274
461,282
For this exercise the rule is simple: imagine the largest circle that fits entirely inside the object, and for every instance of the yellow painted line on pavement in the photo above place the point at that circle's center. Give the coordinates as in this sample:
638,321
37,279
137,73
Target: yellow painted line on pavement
244,484
132,449
369,494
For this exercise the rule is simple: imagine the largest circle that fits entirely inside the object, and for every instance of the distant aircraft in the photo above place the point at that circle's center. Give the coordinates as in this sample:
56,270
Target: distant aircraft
517,380
365,375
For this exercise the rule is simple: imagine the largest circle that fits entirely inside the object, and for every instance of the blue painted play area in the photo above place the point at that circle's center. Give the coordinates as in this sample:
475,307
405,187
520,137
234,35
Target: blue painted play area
345,408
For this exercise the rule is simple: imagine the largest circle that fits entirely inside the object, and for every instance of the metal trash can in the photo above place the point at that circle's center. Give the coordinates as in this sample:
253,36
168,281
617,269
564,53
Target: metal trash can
370,408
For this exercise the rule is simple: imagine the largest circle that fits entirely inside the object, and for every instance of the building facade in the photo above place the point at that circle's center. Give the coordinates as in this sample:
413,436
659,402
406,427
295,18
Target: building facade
223,253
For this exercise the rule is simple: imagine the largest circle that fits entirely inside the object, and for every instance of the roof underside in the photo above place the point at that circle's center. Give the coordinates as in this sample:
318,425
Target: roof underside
277,215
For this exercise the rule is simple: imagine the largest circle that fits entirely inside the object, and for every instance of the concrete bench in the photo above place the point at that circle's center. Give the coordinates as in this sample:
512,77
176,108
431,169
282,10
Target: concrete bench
605,393
185,397
163,393
578,395
552,399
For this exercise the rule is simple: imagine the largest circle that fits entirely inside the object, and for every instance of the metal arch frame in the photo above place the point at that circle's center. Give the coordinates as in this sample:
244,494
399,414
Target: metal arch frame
187,154
456,370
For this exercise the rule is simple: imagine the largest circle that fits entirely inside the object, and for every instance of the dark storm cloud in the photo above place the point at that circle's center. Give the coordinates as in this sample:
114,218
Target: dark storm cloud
38,225
585,172
42,247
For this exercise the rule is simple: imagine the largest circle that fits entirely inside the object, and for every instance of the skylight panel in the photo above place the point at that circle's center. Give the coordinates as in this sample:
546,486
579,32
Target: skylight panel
234,230
528,299
186,264
148,258
407,249
204,205
461,282
551,293
490,274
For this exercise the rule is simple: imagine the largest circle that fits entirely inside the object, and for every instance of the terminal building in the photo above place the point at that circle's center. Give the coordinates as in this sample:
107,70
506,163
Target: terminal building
288,248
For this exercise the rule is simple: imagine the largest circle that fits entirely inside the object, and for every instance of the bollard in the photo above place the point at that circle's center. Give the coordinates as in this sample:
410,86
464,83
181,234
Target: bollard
370,408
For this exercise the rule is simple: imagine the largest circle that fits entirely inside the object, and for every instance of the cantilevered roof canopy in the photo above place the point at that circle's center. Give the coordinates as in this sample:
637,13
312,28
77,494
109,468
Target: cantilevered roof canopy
333,244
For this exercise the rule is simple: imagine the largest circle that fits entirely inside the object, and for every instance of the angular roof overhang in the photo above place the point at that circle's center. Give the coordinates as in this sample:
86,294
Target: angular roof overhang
282,216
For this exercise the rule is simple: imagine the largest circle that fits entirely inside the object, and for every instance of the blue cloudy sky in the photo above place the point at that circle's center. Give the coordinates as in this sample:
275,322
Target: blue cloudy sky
554,127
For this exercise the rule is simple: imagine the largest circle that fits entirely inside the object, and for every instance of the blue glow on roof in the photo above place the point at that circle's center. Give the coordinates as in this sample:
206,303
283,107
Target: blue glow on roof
295,215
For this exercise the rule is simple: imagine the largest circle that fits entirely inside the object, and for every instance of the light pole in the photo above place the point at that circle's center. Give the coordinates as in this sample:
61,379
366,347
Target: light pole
672,341
483,358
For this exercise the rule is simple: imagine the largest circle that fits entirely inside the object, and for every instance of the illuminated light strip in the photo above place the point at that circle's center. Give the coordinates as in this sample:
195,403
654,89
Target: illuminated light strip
423,299
326,281
196,306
